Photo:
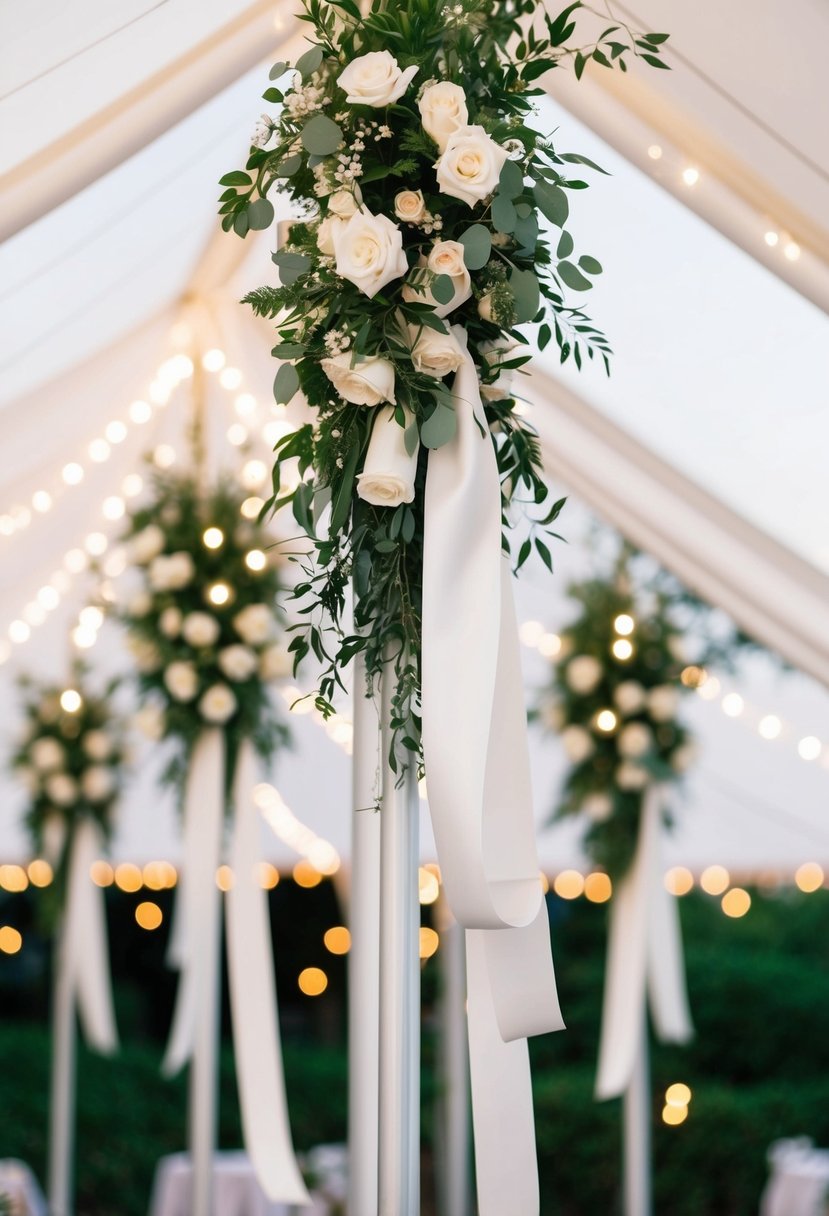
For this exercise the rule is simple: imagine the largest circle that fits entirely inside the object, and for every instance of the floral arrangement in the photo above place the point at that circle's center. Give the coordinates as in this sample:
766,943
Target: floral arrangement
616,694
431,224
71,760
203,624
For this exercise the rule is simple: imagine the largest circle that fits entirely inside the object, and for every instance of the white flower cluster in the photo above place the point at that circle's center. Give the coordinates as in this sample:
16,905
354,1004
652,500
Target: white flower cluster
53,774
305,100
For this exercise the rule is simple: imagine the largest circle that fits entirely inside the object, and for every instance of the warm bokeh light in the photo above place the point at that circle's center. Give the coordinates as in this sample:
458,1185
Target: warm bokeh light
40,872
545,882
140,412
770,726
714,880
809,748
428,886
213,360
569,884
128,877
606,720
305,875
267,875
148,915
10,939
597,887
792,251
733,704
622,649
678,1094
549,645
225,878
693,676
679,880
674,1115
809,877
213,538
710,689
102,874
624,624
256,560
70,700
429,941
531,632
337,939
230,378
736,902
13,878
72,473
218,594
312,981
155,875
690,176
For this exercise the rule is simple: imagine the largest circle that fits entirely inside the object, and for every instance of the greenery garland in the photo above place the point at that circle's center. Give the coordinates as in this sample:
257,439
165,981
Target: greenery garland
203,625
404,143
71,759
615,697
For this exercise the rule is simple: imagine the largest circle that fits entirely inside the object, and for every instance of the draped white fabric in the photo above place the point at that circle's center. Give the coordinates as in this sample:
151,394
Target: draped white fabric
84,941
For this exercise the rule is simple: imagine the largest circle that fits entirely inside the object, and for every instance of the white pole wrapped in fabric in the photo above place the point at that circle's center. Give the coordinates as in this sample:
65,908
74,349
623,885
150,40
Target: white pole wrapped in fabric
636,1135
364,955
452,1150
62,1094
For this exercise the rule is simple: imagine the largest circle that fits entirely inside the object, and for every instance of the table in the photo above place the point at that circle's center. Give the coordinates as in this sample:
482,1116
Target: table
799,1181
19,1185
236,1189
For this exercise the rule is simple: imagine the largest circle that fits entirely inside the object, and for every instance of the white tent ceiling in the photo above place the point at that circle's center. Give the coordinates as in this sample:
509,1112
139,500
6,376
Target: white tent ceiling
721,367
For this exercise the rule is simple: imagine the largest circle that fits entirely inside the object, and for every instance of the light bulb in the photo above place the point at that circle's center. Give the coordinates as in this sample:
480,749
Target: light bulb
71,700
256,560
213,538
72,473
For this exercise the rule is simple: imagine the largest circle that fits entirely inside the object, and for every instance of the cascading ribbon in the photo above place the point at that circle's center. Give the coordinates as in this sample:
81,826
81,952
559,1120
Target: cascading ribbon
478,776
252,985
644,959
83,941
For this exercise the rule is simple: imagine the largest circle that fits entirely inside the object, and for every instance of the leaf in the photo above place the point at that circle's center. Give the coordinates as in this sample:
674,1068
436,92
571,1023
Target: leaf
573,158
289,166
565,246
408,530
308,63
342,501
260,214
572,276
654,62
525,289
278,69
439,427
602,59
504,214
411,438
656,39
321,136
236,178
443,289
511,181
240,223
544,554
526,233
590,265
272,95
579,64
285,384
288,350
553,203
477,245
291,266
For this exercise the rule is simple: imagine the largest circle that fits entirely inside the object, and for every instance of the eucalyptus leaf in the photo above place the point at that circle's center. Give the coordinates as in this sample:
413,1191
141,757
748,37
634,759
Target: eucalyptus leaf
285,384
553,202
443,289
236,178
260,214
565,245
321,136
511,180
240,222
288,350
292,266
504,214
439,427
289,166
278,69
411,438
526,233
525,289
308,63
477,245
590,265
572,276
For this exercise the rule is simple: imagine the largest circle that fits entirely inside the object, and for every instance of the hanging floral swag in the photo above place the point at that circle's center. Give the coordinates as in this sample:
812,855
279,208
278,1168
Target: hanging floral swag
403,141
203,627
639,644
71,760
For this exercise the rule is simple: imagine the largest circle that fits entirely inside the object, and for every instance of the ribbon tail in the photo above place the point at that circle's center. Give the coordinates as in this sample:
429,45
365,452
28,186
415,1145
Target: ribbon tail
203,819
252,982
667,985
86,942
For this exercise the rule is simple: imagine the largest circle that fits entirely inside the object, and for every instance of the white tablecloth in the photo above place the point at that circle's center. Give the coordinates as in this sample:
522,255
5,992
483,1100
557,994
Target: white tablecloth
19,1185
237,1192
799,1181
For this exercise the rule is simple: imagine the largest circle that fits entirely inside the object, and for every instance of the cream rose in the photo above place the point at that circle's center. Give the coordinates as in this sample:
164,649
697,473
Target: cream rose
97,783
629,697
171,573
254,624
375,79
343,203
61,789
145,653
368,382
388,476
146,545
445,257
435,354
485,307
631,776
578,743
97,744
200,629
170,622
46,754
369,251
181,680
410,206
218,704
277,663
325,234
598,807
443,111
238,662
663,702
583,673
470,165
150,721
140,603
634,740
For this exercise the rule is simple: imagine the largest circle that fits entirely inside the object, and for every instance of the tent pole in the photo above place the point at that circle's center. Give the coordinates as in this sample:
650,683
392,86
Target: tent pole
637,1130
204,1067
62,1098
454,1190
399,1138
364,957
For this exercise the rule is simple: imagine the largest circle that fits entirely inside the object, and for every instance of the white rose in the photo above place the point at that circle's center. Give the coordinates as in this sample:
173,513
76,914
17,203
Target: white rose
485,307
170,622
583,673
46,754
238,662
61,789
145,653
470,165
375,79
683,758
140,604
631,776
218,704
495,355
182,680
634,739
598,807
663,703
365,383
629,697
388,476
277,663
578,743
369,251
254,624
200,629
343,203
150,721
410,206
445,257
435,354
97,744
97,783
443,111
49,710
325,234
180,570
146,545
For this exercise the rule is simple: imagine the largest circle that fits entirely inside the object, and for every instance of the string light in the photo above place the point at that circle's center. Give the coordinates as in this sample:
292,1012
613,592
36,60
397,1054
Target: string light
218,594
733,704
213,538
679,880
337,940
230,378
569,884
213,360
624,624
102,873
317,851
245,405
736,902
71,700
148,915
11,940
225,878
99,451
622,649
13,878
256,560
164,456
312,981
140,412
237,434
690,175
655,152
772,238
597,887
305,875
606,721
40,872
116,431
809,748
113,507
42,501
770,726
428,886
254,474
429,942
72,473
128,877
809,877
714,880
791,251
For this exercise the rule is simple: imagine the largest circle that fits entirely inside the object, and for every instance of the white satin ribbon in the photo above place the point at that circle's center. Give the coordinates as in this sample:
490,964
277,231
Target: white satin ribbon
477,771
251,978
84,941
644,958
